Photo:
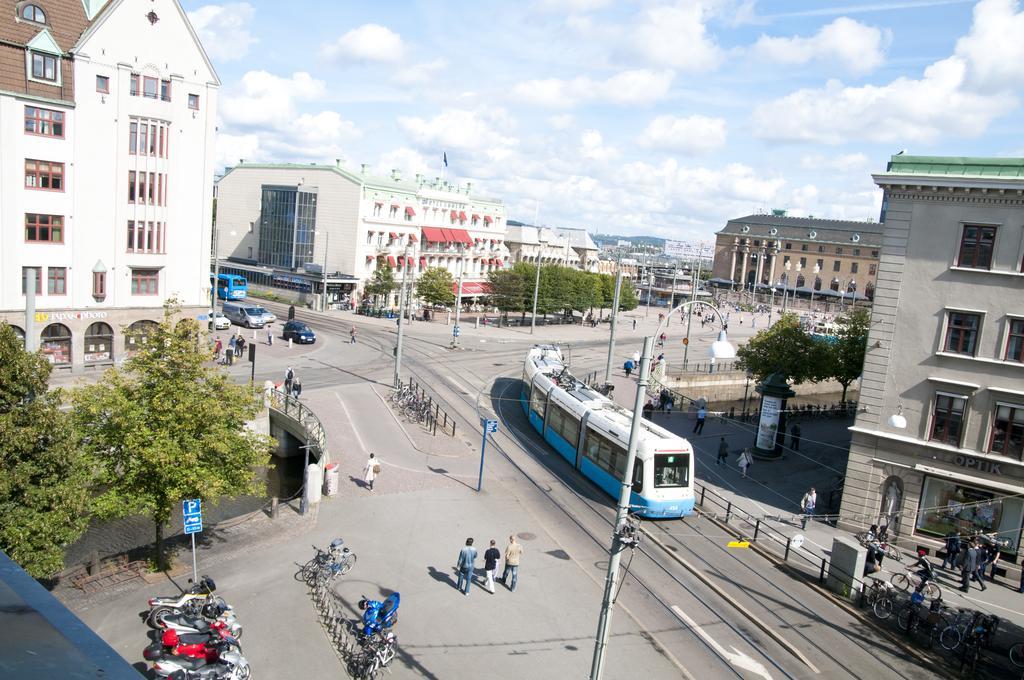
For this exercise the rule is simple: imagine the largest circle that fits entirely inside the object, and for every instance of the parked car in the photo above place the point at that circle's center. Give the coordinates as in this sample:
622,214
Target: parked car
299,332
219,322
244,315
268,317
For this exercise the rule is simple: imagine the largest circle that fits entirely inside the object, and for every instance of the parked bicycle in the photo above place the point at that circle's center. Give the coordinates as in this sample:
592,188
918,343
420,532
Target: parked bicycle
881,597
372,656
911,580
326,565
1017,654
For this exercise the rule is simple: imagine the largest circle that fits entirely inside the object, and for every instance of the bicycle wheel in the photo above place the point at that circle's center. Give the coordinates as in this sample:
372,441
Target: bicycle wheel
347,563
903,617
893,553
950,637
882,607
900,582
1017,655
932,591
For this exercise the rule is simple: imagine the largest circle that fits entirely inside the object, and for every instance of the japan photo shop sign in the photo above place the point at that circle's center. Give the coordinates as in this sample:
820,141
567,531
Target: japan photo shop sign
949,506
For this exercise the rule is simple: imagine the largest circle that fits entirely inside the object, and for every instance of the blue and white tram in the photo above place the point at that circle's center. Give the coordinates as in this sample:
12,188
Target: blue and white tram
592,433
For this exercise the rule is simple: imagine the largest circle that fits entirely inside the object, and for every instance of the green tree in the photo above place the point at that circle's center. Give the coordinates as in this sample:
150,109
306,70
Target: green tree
627,296
510,291
382,283
44,481
168,426
785,348
436,286
845,356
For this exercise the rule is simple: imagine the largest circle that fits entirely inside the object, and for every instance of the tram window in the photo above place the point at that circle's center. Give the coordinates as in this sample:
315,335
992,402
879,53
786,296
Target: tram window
537,399
564,424
638,476
671,469
608,456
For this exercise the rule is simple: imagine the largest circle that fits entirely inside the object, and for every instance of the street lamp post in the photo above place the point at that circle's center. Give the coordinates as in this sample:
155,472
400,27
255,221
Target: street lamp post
216,269
689,315
611,333
536,283
401,315
650,286
817,270
456,331
720,349
323,299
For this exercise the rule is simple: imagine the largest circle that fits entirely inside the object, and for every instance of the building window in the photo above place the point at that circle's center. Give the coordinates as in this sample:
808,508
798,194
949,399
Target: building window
947,419
950,506
836,265
193,102
839,251
99,339
150,87
33,13
44,122
145,282
1008,431
133,85
874,253
44,67
165,90
103,84
789,246
872,269
56,281
856,252
854,267
250,252
44,175
99,285
377,207
26,272
393,212
44,228
133,138
962,332
803,247
252,227
976,247
1015,341
131,186
56,344
803,262
141,197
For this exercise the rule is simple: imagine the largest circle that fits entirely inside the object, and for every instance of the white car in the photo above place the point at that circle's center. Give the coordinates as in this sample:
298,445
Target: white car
218,321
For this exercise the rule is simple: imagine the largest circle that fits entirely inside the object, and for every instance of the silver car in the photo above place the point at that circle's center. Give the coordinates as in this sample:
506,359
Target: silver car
266,315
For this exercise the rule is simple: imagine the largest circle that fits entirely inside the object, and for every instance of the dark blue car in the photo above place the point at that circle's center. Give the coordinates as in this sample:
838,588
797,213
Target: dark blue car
299,332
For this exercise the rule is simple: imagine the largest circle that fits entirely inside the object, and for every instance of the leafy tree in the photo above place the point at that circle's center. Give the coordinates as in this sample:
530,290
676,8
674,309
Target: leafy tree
383,281
44,482
167,427
510,291
627,296
436,286
785,348
845,356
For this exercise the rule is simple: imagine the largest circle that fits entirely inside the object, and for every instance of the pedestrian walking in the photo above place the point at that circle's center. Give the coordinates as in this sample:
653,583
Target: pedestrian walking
352,336
807,504
744,462
270,337
663,397
991,558
794,437
634,324
668,406
969,567
513,553
952,549
239,345
217,348
491,558
370,471
723,452
296,389
289,378
702,414
628,367
467,556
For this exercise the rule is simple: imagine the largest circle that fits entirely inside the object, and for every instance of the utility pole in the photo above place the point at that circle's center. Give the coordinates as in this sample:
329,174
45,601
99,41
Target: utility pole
401,315
689,314
650,284
216,272
31,337
323,298
615,314
456,331
536,284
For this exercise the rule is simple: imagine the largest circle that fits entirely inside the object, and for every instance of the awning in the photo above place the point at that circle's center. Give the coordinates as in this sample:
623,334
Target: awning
394,205
433,235
462,216
412,238
371,258
423,263
475,217
488,219
378,202
455,214
493,241
401,260
409,211
473,288
393,234
392,261
458,236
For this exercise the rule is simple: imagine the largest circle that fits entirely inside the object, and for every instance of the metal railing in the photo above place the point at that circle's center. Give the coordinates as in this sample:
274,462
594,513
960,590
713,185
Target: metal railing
292,407
434,416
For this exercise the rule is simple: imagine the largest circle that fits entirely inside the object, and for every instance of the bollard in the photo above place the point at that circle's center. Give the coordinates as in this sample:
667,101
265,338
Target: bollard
94,562
702,490
757,528
254,335
728,512
273,507
289,343
788,542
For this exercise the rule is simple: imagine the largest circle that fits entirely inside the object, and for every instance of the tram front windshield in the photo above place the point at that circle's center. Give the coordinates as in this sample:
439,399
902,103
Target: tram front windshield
671,469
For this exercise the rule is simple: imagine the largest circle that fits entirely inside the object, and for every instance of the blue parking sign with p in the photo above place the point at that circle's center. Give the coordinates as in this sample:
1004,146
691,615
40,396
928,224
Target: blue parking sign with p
192,512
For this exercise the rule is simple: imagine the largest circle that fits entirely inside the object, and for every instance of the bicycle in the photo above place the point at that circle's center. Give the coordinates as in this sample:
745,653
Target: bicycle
884,600
914,617
953,634
374,657
1017,654
907,580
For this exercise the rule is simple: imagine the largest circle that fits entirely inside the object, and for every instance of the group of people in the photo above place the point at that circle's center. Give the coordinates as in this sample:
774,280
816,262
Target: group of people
466,565
227,354
972,556
292,385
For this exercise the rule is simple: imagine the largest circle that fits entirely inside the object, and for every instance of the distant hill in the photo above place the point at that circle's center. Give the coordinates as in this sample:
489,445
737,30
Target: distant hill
612,239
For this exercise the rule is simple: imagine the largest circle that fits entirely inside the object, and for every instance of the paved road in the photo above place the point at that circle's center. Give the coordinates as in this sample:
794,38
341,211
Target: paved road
668,623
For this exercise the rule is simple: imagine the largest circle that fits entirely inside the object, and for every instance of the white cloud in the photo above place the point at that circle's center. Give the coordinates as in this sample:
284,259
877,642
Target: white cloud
677,37
592,146
994,48
420,73
562,121
480,133
369,42
262,98
639,87
842,162
224,29
409,161
858,47
571,6
690,135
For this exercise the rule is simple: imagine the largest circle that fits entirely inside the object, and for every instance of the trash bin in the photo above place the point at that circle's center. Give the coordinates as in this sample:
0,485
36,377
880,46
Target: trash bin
331,482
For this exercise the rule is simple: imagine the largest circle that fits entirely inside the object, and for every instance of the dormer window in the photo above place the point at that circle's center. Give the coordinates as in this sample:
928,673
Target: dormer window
44,67
33,13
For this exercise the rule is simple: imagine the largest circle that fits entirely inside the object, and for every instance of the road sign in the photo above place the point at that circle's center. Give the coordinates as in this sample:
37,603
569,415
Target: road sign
456,331
193,524
490,426
192,511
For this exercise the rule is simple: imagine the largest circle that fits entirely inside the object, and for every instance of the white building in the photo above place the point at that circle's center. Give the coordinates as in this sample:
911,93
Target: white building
565,246
107,112
278,224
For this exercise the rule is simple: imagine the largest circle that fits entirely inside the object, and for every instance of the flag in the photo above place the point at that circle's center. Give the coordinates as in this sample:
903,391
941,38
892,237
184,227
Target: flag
445,159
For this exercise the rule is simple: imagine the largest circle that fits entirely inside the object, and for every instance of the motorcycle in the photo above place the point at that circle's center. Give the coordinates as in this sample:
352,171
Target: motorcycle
378,616
192,602
224,661
194,645
220,619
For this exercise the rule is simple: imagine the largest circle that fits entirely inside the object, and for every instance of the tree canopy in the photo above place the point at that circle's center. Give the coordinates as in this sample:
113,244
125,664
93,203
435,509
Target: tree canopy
44,479
845,356
383,281
436,286
784,348
562,289
167,427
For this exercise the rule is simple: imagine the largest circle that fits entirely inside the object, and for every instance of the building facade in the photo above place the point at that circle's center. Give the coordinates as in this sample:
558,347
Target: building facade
775,250
937,444
565,246
286,225
107,115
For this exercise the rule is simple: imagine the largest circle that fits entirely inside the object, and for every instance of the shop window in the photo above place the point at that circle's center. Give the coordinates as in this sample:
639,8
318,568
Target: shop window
962,332
947,419
1008,431
947,505
56,344
976,245
99,343
20,334
139,333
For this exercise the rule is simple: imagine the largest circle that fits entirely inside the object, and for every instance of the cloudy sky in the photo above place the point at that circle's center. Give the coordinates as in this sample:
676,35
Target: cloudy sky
627,116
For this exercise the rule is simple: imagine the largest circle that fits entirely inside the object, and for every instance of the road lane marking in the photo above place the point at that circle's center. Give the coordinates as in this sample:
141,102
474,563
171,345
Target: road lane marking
457,384
735,657
351,422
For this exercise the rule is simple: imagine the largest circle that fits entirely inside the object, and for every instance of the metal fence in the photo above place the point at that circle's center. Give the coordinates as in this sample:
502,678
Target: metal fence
292,407
413,401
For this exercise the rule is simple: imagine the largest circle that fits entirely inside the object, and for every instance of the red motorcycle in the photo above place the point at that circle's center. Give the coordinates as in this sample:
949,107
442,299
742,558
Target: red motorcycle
205,646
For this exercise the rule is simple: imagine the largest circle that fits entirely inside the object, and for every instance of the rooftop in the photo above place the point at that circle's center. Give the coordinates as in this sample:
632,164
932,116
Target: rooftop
955,166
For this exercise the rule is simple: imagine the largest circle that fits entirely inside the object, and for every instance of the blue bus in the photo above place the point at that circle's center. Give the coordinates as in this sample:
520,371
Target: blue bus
230,286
